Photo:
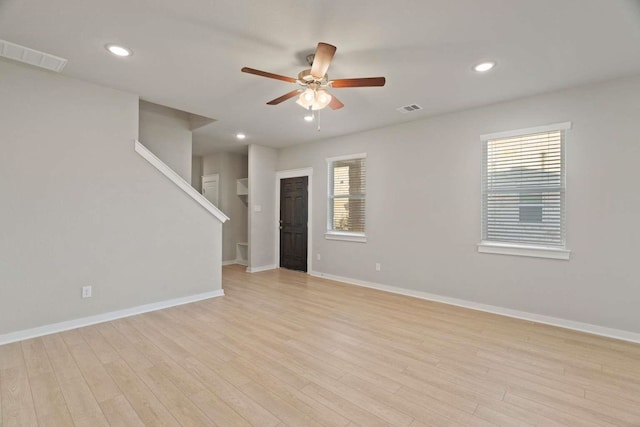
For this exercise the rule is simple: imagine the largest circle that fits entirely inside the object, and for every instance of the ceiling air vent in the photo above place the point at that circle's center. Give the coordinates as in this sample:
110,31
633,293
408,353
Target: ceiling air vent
409,108
31,56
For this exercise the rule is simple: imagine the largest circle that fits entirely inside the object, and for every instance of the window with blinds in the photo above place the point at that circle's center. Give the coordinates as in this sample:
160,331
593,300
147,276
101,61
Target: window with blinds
523,187
347,189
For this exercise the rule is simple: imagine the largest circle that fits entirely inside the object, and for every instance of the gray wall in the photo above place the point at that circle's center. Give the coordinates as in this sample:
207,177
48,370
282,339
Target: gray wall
230,167
80,207
262,194
196,173
167,134
423,208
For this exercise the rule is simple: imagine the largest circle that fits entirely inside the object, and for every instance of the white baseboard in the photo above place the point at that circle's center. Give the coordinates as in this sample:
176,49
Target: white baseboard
533,317
104,317
261,268
232,262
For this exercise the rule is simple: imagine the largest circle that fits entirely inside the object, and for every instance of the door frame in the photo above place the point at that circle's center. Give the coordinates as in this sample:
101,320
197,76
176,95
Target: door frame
211,178
295,173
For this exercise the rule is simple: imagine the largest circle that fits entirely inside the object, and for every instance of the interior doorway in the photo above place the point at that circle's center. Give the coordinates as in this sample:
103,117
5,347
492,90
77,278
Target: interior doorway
210,188
293,228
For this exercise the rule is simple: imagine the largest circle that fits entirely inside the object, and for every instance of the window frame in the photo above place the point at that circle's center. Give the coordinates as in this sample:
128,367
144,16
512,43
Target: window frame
523,249
330,233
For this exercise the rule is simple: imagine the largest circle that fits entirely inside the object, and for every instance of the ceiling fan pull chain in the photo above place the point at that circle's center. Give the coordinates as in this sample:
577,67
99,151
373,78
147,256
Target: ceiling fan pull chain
318,120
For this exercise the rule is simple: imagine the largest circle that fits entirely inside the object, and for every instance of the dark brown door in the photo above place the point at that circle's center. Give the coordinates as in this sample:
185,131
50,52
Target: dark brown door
293,223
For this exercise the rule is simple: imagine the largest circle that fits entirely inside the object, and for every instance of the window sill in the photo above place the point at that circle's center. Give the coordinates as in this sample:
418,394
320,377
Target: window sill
522,250
345,236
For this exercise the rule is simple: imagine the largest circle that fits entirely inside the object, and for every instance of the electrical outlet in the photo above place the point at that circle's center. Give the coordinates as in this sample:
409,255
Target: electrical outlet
86,292
378,266
318,256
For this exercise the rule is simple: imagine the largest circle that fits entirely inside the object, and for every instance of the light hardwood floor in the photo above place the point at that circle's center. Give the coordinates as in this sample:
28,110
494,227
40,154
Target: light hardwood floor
283,348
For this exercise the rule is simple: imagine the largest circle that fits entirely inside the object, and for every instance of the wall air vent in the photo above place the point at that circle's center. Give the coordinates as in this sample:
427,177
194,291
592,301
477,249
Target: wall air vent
409,108
31,56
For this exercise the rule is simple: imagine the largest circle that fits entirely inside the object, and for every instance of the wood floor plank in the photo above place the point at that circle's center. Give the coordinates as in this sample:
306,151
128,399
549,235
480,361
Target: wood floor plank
101,348
120,413
64,365
423,407
564,417
82,405
216,409
127,351
286,411
147,406
266,379
184,411
343,406
51,407
17,403
35,357
99,381
11,355
235,398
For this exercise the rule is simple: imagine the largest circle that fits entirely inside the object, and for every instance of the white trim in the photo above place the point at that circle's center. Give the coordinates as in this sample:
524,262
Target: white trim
261,268
231,262
179,181
522,250
526,131
295,173
345,236
346,157
104,317
516,314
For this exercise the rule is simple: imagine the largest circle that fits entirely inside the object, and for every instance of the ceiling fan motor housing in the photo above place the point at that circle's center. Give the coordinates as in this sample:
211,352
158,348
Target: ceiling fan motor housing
305,77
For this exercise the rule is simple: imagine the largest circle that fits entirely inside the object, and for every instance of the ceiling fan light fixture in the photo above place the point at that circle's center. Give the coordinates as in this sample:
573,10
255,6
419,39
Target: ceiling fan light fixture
322,98
309,96
314,99
306,98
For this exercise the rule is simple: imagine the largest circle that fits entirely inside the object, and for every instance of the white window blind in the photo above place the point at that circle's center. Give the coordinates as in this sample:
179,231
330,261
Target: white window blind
523,188
347,189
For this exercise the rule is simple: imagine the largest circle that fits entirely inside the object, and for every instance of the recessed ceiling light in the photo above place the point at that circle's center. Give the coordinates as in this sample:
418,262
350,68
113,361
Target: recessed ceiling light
118,50
308,118
241,136
484,66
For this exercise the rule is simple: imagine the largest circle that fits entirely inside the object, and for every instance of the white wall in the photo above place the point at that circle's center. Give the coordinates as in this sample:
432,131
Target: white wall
167,134
80,207
423,208
229,167
262,217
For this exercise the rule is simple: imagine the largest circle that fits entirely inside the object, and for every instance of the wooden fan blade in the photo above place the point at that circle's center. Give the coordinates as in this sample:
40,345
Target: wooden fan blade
363,82
266,74
322,59
284,97
335,103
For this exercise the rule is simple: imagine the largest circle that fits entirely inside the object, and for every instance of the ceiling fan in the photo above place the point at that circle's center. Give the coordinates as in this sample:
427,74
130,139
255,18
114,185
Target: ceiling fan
313,94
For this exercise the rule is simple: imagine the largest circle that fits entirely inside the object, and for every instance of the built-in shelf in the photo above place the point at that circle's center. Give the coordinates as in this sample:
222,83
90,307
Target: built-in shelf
242,253
242,186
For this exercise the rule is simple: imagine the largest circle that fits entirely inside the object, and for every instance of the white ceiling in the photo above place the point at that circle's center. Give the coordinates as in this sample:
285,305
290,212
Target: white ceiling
188,54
